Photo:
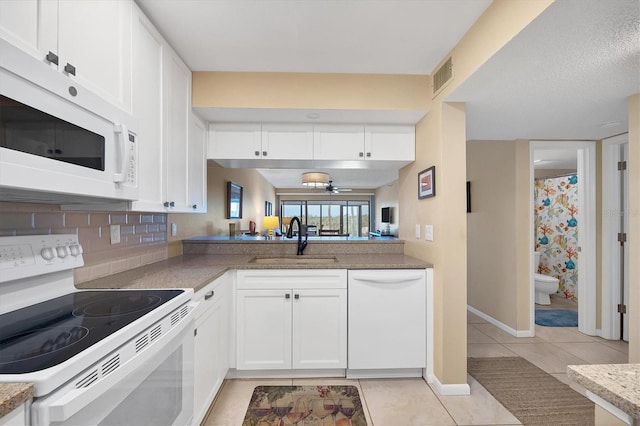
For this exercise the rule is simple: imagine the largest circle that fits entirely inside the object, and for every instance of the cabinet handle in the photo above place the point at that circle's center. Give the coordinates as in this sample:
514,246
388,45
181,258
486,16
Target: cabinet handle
52,58
361,154
287,296
368,154
195,206
70,69
264,153
172,204
166,204
297,296
256,153
209,295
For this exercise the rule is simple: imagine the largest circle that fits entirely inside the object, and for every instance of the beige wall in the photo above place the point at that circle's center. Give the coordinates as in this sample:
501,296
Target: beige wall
387,196
256,190
491,229
634,227
316,91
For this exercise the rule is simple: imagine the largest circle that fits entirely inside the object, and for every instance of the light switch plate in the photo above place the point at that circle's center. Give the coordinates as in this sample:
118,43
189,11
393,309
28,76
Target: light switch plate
418,231
114,230
428,232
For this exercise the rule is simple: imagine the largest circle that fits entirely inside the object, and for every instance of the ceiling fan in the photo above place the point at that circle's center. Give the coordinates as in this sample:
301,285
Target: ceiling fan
334,189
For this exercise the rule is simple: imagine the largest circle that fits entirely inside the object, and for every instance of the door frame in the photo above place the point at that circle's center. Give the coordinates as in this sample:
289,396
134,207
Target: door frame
586,151
610,327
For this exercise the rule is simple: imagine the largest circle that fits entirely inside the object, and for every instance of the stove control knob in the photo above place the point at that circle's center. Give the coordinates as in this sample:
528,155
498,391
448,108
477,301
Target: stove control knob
62,252
75,250
47,253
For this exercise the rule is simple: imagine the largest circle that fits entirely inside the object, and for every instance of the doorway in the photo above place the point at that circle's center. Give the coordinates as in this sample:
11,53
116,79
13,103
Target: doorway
615,225
585,154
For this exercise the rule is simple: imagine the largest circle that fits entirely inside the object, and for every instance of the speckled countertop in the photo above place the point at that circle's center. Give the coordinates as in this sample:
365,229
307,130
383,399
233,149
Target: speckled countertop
12,395
197,270
618,384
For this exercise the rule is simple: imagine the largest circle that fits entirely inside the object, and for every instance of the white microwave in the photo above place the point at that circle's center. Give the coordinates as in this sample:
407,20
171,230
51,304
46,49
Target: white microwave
58,141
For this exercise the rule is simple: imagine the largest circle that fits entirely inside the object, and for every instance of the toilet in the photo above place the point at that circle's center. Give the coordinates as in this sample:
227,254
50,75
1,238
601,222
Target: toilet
544,284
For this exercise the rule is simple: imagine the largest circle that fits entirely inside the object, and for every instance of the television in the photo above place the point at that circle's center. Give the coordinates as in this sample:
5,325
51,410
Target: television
386,215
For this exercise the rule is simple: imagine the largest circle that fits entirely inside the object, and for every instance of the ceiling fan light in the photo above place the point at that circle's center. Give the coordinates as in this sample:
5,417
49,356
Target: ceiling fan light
315,179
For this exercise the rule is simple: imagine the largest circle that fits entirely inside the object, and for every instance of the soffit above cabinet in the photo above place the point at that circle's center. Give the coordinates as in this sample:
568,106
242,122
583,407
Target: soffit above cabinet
290,115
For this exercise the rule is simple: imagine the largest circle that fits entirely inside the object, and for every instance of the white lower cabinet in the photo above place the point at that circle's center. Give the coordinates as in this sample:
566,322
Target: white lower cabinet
291,319
211,361
17,417
387,320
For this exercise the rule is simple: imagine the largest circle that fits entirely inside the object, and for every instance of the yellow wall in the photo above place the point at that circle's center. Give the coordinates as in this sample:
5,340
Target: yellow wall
256,190
634,227
316,91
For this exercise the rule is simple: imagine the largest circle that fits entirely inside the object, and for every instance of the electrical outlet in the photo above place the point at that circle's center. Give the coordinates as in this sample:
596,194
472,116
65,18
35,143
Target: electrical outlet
174,229
428,232
418,231
114,230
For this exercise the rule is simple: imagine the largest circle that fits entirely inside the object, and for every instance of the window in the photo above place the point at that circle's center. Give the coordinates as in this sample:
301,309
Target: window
330,217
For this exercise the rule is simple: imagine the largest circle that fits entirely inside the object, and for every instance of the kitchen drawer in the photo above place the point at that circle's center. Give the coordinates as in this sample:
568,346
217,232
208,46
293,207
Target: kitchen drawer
274,279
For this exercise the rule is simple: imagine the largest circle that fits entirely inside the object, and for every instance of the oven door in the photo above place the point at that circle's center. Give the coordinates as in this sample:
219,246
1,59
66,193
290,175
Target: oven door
154,388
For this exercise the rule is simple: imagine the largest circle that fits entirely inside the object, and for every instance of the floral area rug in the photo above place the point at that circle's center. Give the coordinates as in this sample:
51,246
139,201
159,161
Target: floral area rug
305,405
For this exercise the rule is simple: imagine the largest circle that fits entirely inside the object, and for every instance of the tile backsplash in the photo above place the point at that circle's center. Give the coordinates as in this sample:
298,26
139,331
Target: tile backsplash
143,236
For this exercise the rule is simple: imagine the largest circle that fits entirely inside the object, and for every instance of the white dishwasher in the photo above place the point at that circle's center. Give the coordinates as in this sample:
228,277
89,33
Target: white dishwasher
387,323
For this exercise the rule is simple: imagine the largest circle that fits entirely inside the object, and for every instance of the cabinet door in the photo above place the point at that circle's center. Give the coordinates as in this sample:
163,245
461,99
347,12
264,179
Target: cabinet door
387,319
234,141
263,329
391,143
31,25
147,102
338,142
319,329
177,117
207,378
95,37
287,141
197,170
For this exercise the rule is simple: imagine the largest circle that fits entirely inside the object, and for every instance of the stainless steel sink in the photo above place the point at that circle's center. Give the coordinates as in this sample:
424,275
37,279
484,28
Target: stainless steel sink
295,260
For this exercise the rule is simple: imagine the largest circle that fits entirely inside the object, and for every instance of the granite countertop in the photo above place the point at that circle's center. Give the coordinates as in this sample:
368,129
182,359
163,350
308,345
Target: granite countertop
196,271
618,384
12,395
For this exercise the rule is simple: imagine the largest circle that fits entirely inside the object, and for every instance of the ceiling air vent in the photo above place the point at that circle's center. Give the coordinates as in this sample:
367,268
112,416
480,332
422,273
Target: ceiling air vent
442,76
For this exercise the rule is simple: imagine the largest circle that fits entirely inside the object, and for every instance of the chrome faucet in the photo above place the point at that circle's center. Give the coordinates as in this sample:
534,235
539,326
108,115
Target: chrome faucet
301,244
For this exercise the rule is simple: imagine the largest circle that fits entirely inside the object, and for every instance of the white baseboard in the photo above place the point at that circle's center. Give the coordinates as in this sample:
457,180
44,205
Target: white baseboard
500,325
456,389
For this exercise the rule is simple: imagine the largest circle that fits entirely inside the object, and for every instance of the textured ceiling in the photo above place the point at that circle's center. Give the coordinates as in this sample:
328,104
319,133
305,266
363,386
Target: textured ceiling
566,76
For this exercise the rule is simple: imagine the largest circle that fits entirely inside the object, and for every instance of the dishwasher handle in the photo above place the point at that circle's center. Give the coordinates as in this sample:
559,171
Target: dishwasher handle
387,279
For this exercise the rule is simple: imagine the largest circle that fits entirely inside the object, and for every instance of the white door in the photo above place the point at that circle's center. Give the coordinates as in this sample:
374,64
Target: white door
95,37
235,141
287,141
624,229
390,143
197,167
263,334
208,330
338,142
319,328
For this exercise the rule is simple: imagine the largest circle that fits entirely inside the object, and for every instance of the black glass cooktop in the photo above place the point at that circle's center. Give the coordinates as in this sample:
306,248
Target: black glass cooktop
48,333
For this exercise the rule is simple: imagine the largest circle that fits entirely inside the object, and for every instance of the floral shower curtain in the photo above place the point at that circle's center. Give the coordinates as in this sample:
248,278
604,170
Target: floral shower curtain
556,206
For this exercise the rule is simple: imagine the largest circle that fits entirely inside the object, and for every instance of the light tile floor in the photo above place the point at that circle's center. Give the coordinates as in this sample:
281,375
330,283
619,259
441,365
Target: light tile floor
400,402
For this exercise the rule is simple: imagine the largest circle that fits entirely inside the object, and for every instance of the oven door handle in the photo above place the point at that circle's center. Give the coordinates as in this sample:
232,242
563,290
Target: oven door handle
75,400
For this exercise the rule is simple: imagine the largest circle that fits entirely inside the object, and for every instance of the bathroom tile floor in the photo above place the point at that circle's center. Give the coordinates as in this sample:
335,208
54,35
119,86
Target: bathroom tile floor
400,402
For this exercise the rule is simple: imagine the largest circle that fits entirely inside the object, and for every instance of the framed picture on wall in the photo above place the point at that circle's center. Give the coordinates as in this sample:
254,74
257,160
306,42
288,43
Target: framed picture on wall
427,183
234,201
268,208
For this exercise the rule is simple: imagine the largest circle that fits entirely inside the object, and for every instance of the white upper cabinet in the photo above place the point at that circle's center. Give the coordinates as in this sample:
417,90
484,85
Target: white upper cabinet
89,41
390,143
234,141
287,141
172,171
338,142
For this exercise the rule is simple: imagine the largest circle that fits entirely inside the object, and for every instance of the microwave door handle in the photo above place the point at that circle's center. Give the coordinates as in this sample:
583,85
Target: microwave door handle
121,131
